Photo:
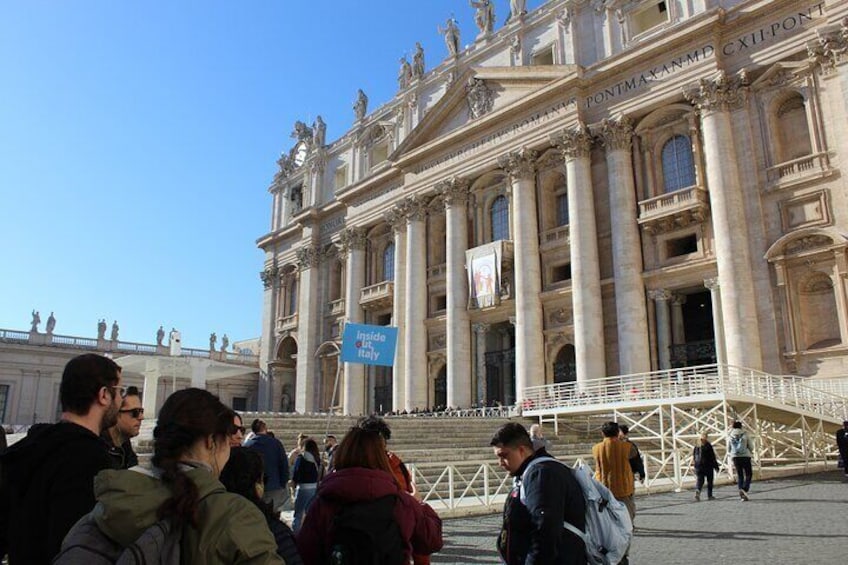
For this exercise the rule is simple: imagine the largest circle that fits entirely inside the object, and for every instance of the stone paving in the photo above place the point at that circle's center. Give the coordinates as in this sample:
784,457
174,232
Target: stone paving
797,520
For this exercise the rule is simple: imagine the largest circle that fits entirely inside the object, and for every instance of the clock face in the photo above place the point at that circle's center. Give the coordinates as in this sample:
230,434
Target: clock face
300,154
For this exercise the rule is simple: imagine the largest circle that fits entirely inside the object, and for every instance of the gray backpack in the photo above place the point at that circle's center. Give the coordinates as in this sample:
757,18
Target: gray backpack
86,543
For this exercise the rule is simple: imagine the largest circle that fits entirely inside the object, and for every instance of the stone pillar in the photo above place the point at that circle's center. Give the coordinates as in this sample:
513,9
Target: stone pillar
397,220
718,319
316,176
587,308
415,342
308,327
480,331
352,246
150,393
529,343
455,194
661,297
270,298
632,317
678,333
715,98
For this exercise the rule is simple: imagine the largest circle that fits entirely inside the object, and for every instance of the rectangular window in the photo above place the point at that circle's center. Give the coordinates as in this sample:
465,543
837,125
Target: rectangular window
656,14
4,400
543,57
439,303
384,320
681,246
562,209
341,177
239,403
561,273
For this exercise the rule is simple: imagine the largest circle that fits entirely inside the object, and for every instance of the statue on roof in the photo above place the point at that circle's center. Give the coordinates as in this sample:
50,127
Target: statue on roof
115,328
484,17
101,329
418,61
319,129
451,35
360,107
517,8
225,342
51,323
404,74
36,319
302,132
212,339
160,335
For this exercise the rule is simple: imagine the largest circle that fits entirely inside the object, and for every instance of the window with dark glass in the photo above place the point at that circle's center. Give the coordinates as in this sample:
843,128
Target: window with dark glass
678,164
389,262
500,218
562,209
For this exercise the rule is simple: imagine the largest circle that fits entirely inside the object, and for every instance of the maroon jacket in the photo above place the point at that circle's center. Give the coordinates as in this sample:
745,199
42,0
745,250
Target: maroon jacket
420,526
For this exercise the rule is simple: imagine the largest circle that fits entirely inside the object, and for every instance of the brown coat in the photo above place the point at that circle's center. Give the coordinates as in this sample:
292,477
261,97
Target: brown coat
612,466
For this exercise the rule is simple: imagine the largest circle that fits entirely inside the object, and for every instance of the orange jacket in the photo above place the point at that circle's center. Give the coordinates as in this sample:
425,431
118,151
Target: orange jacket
612,466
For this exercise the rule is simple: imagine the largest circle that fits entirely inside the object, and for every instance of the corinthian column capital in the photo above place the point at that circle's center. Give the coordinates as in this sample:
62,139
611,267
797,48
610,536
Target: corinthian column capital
616,134
453,191
660,295
720,93
712,283
414,209
519,164
574,142
307,257
351,239
396,218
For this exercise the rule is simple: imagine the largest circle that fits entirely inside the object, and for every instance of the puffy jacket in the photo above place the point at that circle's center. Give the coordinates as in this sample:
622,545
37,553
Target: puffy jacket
420,526
742,447
231,529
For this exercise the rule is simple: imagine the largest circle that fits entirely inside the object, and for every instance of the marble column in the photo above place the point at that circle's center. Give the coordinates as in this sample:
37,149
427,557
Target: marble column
397,220
454,191
715,98
661,297
352,246
308,327
678,332
480,331
588,317
631,313
520,166
415,312
270,306
718,319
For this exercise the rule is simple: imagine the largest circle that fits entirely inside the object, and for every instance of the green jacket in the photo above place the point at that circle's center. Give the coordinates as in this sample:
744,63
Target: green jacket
231,529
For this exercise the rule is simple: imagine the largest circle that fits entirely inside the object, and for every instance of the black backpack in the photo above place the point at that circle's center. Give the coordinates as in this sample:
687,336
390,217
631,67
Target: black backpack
366,533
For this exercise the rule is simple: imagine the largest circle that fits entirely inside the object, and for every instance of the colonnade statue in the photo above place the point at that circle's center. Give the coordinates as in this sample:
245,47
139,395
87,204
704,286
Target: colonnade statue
51,323
451,35
36,319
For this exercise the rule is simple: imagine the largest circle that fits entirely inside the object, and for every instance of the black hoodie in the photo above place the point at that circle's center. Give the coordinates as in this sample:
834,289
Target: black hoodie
47,485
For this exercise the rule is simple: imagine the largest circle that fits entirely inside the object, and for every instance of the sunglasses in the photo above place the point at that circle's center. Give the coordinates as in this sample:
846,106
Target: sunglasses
238,429
134,412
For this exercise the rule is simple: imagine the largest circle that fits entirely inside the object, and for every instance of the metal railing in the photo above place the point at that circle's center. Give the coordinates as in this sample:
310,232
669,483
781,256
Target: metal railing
686,382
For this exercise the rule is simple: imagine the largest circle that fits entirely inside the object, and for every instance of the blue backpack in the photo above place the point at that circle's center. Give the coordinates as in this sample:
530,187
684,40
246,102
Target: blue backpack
609,529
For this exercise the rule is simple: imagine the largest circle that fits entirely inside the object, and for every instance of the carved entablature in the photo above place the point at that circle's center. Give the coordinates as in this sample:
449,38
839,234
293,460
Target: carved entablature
574,142
519,164
479,97
350,239
453,191
808,242
307,257
720,93
617,134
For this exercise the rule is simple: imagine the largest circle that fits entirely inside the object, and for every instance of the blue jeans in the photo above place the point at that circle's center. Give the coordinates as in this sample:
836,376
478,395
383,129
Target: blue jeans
303,496
743,472
709,475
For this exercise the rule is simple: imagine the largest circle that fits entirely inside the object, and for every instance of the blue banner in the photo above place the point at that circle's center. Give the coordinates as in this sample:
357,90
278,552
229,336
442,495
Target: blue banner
369,345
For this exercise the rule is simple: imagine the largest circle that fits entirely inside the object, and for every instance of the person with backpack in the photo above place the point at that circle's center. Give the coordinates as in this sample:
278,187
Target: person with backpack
244,475
177,511
361,516
546,495
741,450
706,464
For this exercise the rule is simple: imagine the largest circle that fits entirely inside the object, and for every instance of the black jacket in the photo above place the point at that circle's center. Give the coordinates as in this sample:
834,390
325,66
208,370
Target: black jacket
704,458
47,485
636,463
532,533
120,456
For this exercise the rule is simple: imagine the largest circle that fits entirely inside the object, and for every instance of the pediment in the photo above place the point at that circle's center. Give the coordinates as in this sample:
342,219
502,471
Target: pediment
479,96
781,74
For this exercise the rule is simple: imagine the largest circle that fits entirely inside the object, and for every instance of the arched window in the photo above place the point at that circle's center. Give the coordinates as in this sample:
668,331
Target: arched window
678,164
500,218
819,319
389,262
794,131
565,365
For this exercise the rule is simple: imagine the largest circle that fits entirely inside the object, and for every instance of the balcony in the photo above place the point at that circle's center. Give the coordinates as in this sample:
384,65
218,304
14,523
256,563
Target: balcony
377,296
559,236
337,307
674,210
790,173
286,323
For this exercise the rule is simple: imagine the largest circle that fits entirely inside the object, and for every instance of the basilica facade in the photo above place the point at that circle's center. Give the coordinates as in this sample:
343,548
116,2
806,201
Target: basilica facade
596,188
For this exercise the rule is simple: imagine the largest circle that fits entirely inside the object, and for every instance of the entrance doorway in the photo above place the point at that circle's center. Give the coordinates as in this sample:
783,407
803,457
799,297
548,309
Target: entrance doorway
565,365
698,347
383,390
440,389
500,365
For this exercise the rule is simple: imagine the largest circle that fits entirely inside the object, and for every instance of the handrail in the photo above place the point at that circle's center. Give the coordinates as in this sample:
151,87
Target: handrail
686,382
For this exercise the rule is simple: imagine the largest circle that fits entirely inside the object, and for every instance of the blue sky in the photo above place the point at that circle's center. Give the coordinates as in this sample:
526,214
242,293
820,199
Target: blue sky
138,139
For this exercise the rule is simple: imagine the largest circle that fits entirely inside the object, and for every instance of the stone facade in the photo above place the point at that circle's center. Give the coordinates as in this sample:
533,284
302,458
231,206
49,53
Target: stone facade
632,186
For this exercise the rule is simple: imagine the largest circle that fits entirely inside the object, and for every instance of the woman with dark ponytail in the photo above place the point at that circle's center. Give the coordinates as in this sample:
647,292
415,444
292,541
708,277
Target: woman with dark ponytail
182,491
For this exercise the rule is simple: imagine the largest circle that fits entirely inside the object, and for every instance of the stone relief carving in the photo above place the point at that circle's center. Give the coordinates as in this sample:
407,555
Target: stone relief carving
479,98
451,35
360,107
616,134
519,164
561,316
720,93
573,143
439,341
808,242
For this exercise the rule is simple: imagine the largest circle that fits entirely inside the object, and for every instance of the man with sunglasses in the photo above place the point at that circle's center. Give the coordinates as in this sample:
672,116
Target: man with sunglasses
130,416
48,477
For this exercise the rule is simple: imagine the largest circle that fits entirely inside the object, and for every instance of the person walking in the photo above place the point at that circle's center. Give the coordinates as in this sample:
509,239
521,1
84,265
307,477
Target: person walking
276,464
637,465
612,465
706,464
741,450
307,473
842,444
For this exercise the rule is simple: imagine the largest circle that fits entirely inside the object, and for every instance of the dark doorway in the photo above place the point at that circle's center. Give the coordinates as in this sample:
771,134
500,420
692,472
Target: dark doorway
565,365
383,390
699,333
440,388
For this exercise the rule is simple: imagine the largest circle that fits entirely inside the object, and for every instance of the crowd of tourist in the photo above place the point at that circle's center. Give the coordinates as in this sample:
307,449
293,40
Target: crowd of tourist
73,492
